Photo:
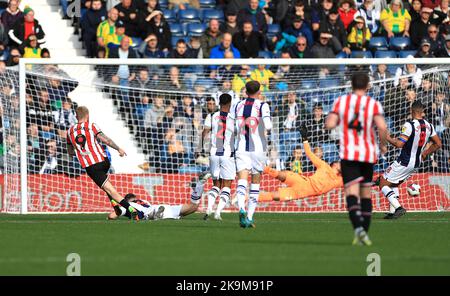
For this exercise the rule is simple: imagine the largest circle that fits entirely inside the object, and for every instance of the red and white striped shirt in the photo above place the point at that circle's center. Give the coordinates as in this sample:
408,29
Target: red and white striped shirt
357,136
82,136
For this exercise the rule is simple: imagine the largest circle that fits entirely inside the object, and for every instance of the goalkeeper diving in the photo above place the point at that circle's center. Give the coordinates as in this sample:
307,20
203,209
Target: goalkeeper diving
326,178
148,211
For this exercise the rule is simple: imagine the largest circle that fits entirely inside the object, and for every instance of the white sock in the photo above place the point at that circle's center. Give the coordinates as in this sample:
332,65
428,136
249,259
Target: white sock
223,200
241,192
397,193
212,196
391,196
252,200
197,193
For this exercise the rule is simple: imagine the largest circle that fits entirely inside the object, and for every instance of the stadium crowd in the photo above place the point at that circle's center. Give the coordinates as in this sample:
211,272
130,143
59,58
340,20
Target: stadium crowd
168,125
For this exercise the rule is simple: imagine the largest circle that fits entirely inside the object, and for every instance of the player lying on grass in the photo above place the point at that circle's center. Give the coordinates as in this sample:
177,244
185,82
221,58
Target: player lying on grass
326,178
148,211
83,140
413,139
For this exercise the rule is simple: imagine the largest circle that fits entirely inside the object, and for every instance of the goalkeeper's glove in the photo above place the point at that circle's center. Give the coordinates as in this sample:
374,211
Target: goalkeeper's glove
304,132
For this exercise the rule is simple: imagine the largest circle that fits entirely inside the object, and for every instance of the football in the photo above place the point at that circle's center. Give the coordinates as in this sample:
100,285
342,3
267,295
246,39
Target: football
413,189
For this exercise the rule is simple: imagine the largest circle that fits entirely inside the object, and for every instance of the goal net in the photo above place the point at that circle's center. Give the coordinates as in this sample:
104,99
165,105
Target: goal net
156,109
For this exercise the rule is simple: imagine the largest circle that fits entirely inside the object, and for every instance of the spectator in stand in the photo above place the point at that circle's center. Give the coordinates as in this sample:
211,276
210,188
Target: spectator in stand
64,118
41,113
445,52
11,15
370,15
124,73
141,85
128,14
184,4
360,35
295,162
381,74
146,14
34,148
230,25
195,47
161,29
24,27
211,37
431,3
316,132
444,8
395,20
440,109
424,50
154,116
347,12
411,71
240,79
218,52
248,42
174,82
420,26
286,73
436,39
141,109
45,53
292,113
323,49
186,109
149,48
253,14
95,15
289,36
30,48
300,49
173,143
335,27
51,162
263,76
114,40
226,72
12,62
415,9
320,14
181,51
107,27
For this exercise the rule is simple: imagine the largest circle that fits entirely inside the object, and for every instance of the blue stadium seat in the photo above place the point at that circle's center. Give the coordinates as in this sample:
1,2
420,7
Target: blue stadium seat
265,54
194,29
170,15
381,54
176,30
209,14
342,55
164,4
328,82
207,3
176,38
361,54
273,30
399,43
308,84
405,53
189,16
378,43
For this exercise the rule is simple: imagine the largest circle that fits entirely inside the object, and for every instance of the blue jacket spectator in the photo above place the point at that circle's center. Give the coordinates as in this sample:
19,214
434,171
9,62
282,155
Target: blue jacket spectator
289,36
149,49
218,52
89,23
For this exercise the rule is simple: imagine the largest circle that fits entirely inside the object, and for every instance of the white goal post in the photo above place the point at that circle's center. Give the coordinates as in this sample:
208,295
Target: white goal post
309,84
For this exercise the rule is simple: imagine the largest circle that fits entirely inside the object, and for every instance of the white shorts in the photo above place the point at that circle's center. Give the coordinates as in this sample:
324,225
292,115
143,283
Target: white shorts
222,167
169,212
397,173
250,161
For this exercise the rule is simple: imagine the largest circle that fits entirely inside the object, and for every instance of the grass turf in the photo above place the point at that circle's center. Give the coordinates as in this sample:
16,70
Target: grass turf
282,244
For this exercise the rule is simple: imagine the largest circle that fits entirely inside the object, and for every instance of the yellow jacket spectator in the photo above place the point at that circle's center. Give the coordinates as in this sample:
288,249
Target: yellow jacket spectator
31,49
263,76
239,80
107,28
359,36
395,20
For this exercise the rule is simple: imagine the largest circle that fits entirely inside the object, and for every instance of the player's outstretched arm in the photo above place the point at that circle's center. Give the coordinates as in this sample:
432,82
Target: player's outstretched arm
437,144
109,142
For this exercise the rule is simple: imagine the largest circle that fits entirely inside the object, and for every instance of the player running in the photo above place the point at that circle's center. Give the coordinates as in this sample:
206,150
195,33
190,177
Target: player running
222,167
249,120
356,114
147,211
327,177
414,137
83,141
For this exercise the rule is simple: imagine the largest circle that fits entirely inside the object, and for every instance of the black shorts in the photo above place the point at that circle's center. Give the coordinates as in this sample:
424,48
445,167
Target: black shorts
356,172
99,172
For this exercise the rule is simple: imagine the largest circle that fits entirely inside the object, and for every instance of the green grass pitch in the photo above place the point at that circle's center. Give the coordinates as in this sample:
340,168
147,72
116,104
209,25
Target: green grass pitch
282,244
